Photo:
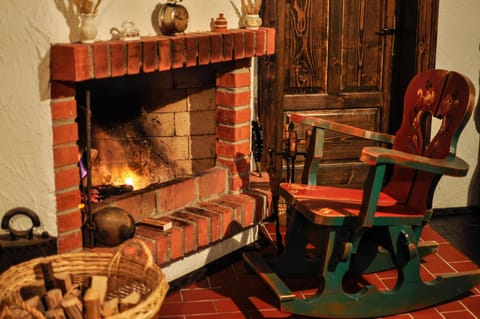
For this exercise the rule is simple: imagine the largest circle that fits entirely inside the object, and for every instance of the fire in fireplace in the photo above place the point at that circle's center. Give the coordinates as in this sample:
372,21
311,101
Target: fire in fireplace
148,129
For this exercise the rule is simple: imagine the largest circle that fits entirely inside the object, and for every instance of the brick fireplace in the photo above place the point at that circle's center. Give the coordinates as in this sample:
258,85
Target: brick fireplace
211,202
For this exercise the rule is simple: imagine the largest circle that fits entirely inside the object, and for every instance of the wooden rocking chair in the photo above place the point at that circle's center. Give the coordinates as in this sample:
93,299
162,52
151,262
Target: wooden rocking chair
337,233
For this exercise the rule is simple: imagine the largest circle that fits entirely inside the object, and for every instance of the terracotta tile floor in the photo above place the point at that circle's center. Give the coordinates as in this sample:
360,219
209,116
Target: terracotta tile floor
230,291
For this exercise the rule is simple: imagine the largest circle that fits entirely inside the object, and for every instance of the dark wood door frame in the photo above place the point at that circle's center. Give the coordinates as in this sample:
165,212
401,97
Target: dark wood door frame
415,51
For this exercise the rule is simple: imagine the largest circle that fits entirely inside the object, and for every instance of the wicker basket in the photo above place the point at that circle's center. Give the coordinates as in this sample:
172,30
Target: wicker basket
130,269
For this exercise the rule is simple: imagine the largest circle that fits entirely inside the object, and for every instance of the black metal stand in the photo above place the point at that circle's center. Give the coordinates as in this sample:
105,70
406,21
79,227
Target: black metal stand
89,224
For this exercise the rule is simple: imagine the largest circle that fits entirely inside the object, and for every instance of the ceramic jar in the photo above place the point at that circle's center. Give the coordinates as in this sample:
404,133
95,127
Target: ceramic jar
129,31
252,21
220,23
88,29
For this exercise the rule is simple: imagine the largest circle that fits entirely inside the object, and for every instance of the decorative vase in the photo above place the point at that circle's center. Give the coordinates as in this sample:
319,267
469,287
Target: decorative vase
88,29
252,21
220,24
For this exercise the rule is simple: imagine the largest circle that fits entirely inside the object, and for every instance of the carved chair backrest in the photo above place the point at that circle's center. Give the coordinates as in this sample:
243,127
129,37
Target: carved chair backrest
448,96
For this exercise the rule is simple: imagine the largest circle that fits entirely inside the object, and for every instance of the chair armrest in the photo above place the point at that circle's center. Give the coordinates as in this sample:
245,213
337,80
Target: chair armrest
341,128
452,165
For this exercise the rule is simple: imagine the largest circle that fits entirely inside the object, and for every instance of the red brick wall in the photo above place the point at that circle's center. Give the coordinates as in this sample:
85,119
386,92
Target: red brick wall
67,178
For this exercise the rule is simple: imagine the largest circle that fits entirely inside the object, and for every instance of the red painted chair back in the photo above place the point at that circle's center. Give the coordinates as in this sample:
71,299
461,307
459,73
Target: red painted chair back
448,96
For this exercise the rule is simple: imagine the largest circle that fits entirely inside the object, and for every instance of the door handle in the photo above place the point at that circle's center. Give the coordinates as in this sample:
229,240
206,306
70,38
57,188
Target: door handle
386,31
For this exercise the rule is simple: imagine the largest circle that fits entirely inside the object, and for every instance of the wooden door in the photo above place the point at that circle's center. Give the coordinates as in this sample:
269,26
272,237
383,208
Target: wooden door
334,58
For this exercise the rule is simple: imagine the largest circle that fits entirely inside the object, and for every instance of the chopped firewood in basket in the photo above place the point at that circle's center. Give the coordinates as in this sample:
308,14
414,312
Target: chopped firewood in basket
109,307
13,312
100,285
36,302
75,291
6,312
92,304
53,299
64,282
129,301
66,299
30,291
73,307
55,314
48,277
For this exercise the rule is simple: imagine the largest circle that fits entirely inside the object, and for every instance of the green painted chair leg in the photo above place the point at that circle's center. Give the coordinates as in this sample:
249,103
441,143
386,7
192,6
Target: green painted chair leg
370,302
409,294
383,259
292,262
270,278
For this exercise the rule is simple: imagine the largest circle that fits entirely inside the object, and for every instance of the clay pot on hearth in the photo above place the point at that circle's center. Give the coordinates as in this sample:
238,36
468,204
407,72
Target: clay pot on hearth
113,226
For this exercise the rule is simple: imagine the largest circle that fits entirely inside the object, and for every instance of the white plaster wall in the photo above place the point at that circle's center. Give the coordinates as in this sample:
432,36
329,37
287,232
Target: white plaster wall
27,30
458,49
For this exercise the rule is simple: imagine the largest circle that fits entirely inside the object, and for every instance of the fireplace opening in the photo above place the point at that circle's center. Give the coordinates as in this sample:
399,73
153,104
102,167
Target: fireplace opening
147,129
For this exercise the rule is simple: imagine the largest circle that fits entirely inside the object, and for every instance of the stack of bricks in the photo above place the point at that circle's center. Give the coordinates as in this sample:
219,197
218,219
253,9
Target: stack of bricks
233,125
65,158
199,218
73,63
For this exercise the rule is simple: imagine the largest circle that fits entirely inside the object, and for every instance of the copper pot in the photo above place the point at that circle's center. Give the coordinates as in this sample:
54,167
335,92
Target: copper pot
113,226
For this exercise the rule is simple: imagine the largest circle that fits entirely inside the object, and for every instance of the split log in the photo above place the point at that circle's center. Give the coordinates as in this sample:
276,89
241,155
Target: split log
30,291
48,276
73,307
36,302
13,312
55,314
53,299
129,301
64,282
75,291
109,307
100,285
92,303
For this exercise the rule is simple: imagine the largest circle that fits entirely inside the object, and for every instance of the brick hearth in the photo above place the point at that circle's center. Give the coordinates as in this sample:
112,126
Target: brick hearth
217,205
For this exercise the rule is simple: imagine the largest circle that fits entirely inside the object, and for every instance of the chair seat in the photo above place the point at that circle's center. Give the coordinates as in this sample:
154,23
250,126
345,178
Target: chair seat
335,206
294,191
339,213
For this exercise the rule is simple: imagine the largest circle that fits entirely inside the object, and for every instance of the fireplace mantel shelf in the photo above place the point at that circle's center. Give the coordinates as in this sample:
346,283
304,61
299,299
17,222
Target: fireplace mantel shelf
76,62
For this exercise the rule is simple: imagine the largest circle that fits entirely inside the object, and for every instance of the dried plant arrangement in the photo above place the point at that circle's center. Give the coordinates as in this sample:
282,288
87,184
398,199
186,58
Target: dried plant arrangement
87,6
251,6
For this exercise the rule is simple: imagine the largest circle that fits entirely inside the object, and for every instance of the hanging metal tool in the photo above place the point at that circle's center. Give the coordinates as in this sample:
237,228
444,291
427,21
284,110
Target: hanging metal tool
257,145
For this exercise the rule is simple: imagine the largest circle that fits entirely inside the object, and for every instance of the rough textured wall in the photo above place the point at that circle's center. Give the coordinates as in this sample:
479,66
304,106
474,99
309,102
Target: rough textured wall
458,49
27,29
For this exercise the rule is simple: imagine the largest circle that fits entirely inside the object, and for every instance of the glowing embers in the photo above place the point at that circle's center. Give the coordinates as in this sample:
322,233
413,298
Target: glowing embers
122,155
129,181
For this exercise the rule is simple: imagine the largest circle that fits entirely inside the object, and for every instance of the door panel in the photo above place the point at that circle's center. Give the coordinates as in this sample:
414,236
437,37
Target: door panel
342,71
341,147
362,49
306,47
340,164
332,60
